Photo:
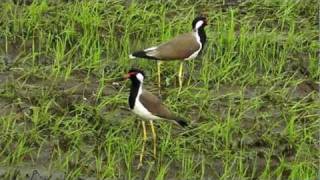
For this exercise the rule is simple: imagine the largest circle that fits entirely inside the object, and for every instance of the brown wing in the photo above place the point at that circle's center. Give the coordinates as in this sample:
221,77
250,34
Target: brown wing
180,47
153,104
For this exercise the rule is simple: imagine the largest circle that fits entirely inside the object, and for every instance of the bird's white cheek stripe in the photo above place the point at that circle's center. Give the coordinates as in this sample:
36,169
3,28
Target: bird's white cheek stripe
140,77
199,24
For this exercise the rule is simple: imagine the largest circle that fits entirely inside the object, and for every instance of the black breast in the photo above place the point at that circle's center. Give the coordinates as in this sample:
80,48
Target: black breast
202,35
133,92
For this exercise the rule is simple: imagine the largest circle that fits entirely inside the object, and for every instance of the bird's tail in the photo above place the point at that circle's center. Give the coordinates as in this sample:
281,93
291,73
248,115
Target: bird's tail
138,54
181,122
143,54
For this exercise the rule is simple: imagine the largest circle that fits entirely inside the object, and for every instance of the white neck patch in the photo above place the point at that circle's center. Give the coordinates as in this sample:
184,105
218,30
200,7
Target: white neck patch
140,77
199,24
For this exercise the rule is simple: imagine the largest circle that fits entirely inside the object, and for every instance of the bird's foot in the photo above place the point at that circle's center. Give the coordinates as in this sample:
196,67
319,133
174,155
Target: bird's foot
139,165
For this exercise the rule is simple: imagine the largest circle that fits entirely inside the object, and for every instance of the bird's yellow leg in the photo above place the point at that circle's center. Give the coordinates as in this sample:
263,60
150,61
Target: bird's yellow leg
192,70
143,143
159,74
180,76
154,135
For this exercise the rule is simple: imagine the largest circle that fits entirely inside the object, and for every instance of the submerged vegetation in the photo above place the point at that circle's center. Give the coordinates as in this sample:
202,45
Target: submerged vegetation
252,96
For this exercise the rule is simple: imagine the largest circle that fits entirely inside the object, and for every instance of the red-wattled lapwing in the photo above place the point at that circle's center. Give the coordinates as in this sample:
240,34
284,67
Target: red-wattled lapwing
183,47
149,107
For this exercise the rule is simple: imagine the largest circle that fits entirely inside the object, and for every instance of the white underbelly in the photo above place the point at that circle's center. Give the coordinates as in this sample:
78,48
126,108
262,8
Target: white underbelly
194,55
141,111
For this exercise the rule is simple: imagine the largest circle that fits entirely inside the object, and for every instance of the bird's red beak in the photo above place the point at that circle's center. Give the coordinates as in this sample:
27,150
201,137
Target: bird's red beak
127,76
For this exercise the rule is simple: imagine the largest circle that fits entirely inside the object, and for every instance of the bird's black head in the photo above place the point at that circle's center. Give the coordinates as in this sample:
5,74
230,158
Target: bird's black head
135,74
199,22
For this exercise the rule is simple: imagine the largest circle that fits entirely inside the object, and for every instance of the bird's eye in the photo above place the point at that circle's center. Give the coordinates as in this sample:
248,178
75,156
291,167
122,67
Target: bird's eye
132,73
